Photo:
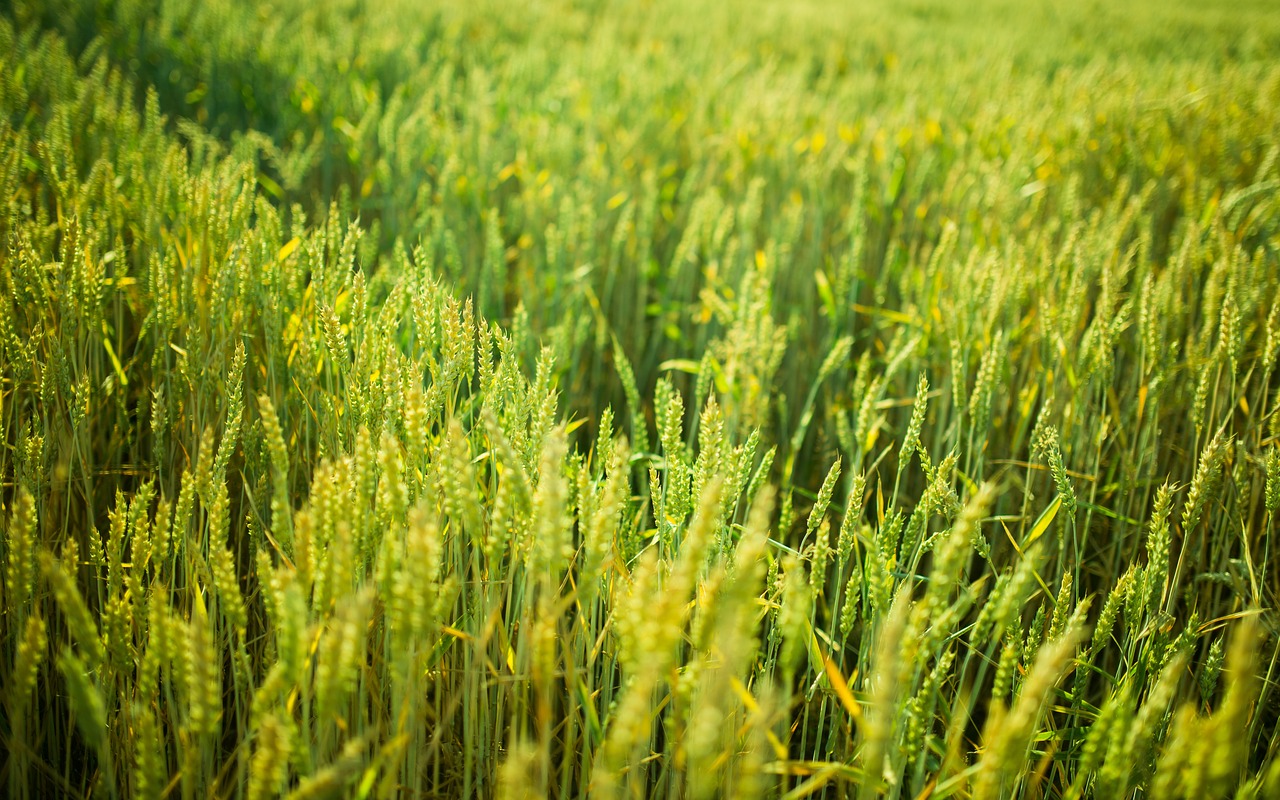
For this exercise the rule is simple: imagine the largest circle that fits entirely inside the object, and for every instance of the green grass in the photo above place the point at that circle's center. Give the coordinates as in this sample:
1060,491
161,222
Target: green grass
639,399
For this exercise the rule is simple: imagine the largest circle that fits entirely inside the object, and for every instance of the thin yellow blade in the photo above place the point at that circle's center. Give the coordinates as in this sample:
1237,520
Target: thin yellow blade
1042,524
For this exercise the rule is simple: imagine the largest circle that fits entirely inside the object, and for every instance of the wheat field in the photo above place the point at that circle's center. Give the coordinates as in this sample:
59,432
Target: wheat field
591,398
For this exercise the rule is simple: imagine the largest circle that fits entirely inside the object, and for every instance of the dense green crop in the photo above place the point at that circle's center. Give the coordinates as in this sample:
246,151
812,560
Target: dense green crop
671,399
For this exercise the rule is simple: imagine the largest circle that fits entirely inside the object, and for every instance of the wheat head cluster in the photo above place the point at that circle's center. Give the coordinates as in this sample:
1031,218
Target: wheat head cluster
607,399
